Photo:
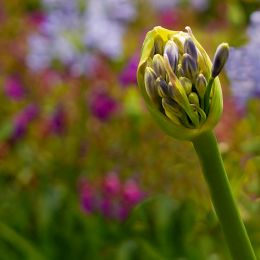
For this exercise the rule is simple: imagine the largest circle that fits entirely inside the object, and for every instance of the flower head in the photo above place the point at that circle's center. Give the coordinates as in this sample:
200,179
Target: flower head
179,82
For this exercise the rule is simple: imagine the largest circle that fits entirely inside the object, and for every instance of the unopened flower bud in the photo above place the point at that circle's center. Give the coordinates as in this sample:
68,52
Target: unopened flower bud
201,84
158,45
162,88
149,82
190,48
180,71
172,110
187,85
171,51
189,66
158,66
194,99
220,58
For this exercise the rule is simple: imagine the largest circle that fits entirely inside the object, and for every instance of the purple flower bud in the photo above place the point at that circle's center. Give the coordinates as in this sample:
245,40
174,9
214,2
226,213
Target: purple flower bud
189,67
190,48
220,58
171,51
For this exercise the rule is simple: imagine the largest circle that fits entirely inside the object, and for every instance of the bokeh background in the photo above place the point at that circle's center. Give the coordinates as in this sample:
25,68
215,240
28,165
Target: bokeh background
85,173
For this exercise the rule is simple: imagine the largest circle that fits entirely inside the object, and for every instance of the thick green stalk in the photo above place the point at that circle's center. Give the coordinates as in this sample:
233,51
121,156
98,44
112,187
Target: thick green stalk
214,172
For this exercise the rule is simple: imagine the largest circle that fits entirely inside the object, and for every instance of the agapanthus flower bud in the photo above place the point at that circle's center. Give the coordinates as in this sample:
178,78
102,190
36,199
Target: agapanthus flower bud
194,99
171,51
175,78
158,65
190,48
187,85
150,81
220,58
189,66
201,84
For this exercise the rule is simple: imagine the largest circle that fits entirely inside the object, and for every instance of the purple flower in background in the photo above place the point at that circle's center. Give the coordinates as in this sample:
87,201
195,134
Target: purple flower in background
87,197
102,106
14,89
244,64
22,120
162,5
107,207
128,74
72,29
57,123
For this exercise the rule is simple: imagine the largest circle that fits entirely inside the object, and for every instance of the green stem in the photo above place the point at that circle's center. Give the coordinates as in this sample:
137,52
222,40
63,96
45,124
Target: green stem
207,95
214,172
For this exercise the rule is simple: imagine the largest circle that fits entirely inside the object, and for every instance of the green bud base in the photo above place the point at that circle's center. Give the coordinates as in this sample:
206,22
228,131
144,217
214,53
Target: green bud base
214,173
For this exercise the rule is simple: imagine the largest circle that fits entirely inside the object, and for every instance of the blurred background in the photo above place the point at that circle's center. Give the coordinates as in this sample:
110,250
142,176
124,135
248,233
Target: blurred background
85,173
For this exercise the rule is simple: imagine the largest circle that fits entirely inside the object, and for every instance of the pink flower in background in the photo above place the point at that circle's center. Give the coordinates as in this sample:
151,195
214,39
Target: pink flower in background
14,89
114,200
132,194
102,106
112,184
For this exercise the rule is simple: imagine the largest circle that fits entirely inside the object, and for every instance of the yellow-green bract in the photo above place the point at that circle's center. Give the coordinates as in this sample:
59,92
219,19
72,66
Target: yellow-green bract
173,128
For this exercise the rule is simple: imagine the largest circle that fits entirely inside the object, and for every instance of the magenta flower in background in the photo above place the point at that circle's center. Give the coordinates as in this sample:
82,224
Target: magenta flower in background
114,200
128,74
87,196
57,123
132,194
22,120
102,106
14,89
112,184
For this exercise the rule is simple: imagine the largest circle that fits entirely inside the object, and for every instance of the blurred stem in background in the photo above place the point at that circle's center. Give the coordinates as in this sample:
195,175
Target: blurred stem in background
214,172
19,242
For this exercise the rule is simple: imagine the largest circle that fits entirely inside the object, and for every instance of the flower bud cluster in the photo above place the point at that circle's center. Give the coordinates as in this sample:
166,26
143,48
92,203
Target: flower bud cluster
176,80
179,83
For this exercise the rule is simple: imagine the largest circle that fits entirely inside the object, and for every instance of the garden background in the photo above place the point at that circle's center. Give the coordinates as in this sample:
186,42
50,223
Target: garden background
85,173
